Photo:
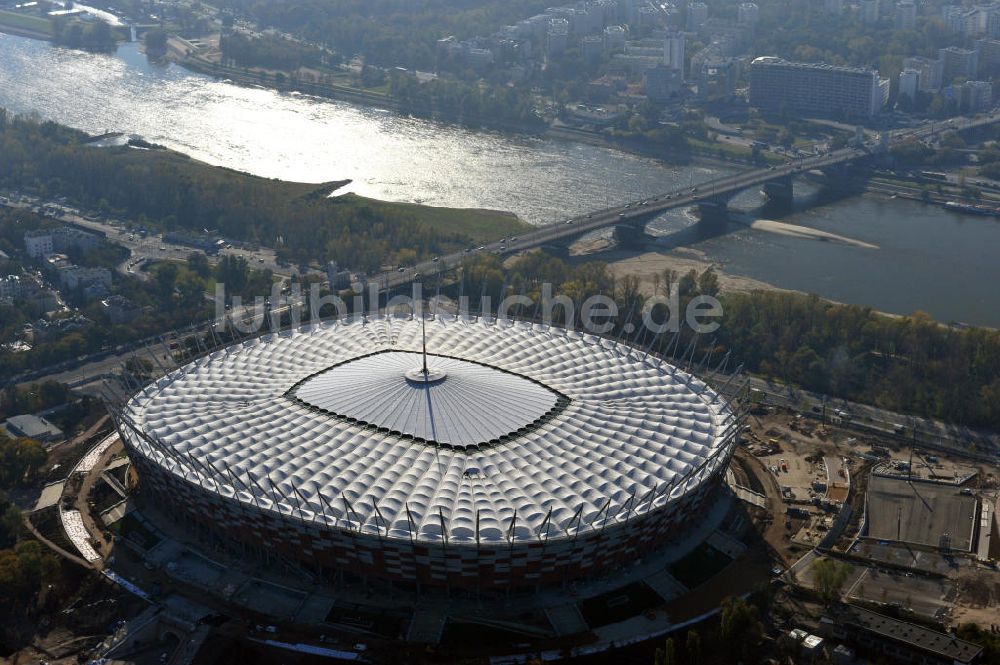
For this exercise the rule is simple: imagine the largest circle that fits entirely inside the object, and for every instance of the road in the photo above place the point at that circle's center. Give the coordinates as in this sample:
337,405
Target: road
929,432
879,419
152,247
633,212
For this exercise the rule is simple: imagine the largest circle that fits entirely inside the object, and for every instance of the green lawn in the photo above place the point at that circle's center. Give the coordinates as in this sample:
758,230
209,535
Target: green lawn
27,22
476,223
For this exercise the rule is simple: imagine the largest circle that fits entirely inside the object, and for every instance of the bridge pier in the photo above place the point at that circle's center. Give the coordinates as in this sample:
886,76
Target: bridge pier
559,251
713,213
780,190
630,236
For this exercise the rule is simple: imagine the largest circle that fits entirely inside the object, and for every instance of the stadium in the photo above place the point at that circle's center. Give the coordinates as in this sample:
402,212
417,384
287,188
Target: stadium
462,454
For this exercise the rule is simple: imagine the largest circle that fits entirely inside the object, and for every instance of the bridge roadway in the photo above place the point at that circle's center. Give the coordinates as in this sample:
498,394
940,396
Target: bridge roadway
709,192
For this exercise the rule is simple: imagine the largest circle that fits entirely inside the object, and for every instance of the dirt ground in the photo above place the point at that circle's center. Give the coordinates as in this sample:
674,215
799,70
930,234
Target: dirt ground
651,264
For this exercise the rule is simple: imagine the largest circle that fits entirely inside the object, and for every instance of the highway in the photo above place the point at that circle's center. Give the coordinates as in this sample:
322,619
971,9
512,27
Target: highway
630,213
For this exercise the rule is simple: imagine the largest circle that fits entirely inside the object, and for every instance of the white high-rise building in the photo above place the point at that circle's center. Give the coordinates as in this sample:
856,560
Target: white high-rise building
39,243
631,10
558,36
992,22
909,83
614,37
697,14
976,96
869,11
930,72
592,47
748,13
673,52
906,15
957,61
815,89
11,287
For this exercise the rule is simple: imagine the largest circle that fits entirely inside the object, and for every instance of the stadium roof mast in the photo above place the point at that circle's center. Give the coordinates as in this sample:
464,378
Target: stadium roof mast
423,339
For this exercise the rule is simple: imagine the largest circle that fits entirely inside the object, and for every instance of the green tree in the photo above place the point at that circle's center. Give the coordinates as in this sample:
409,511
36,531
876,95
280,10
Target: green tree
667,655
829,576
166,280
741,629
708,283
19,460
155,41
198,264
693,648
233,272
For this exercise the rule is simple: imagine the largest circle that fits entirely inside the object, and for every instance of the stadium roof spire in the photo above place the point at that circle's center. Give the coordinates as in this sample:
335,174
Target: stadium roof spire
423,339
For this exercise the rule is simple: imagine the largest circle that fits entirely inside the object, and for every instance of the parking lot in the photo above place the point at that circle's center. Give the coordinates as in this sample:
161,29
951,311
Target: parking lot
921,513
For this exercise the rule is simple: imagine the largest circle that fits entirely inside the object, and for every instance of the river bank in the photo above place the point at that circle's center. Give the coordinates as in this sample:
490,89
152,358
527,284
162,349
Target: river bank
185,54
33,27
392,157
650,263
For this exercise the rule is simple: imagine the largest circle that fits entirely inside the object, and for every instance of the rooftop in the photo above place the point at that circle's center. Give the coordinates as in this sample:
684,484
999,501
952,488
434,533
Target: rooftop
456,403
942,644
816,66
558,427
32,427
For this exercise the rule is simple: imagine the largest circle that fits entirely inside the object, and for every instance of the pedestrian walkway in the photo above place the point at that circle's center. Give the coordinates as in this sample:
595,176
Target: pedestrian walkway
664,584
987,522
566,619
744,493
726,544
426,626
77,533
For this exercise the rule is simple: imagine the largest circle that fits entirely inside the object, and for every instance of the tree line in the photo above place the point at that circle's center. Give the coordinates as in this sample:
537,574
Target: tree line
386,32
910,364
170,191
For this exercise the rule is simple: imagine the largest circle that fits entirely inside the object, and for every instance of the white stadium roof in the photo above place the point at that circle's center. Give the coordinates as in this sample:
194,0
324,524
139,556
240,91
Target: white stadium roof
460,403
336,422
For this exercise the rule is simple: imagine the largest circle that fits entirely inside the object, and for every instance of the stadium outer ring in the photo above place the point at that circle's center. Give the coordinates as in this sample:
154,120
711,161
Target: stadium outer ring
329,549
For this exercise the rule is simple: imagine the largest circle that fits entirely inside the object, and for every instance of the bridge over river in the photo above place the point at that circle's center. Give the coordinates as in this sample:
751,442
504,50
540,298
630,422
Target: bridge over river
710,198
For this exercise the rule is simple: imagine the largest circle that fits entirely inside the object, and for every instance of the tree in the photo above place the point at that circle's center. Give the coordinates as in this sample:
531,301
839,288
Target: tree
23,570
191,289
10,522
667,655
155,41
19,459
741,629
693,648
708,283
166,280
829,576
198,264
233,272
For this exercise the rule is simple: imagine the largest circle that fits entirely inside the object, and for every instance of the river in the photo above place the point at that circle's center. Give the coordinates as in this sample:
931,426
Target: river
902,256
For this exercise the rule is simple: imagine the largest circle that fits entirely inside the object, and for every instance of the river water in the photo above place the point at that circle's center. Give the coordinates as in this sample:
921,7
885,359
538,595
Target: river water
923,257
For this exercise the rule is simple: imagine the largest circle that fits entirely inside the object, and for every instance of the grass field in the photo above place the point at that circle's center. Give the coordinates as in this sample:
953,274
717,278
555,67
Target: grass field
25,22
476,223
